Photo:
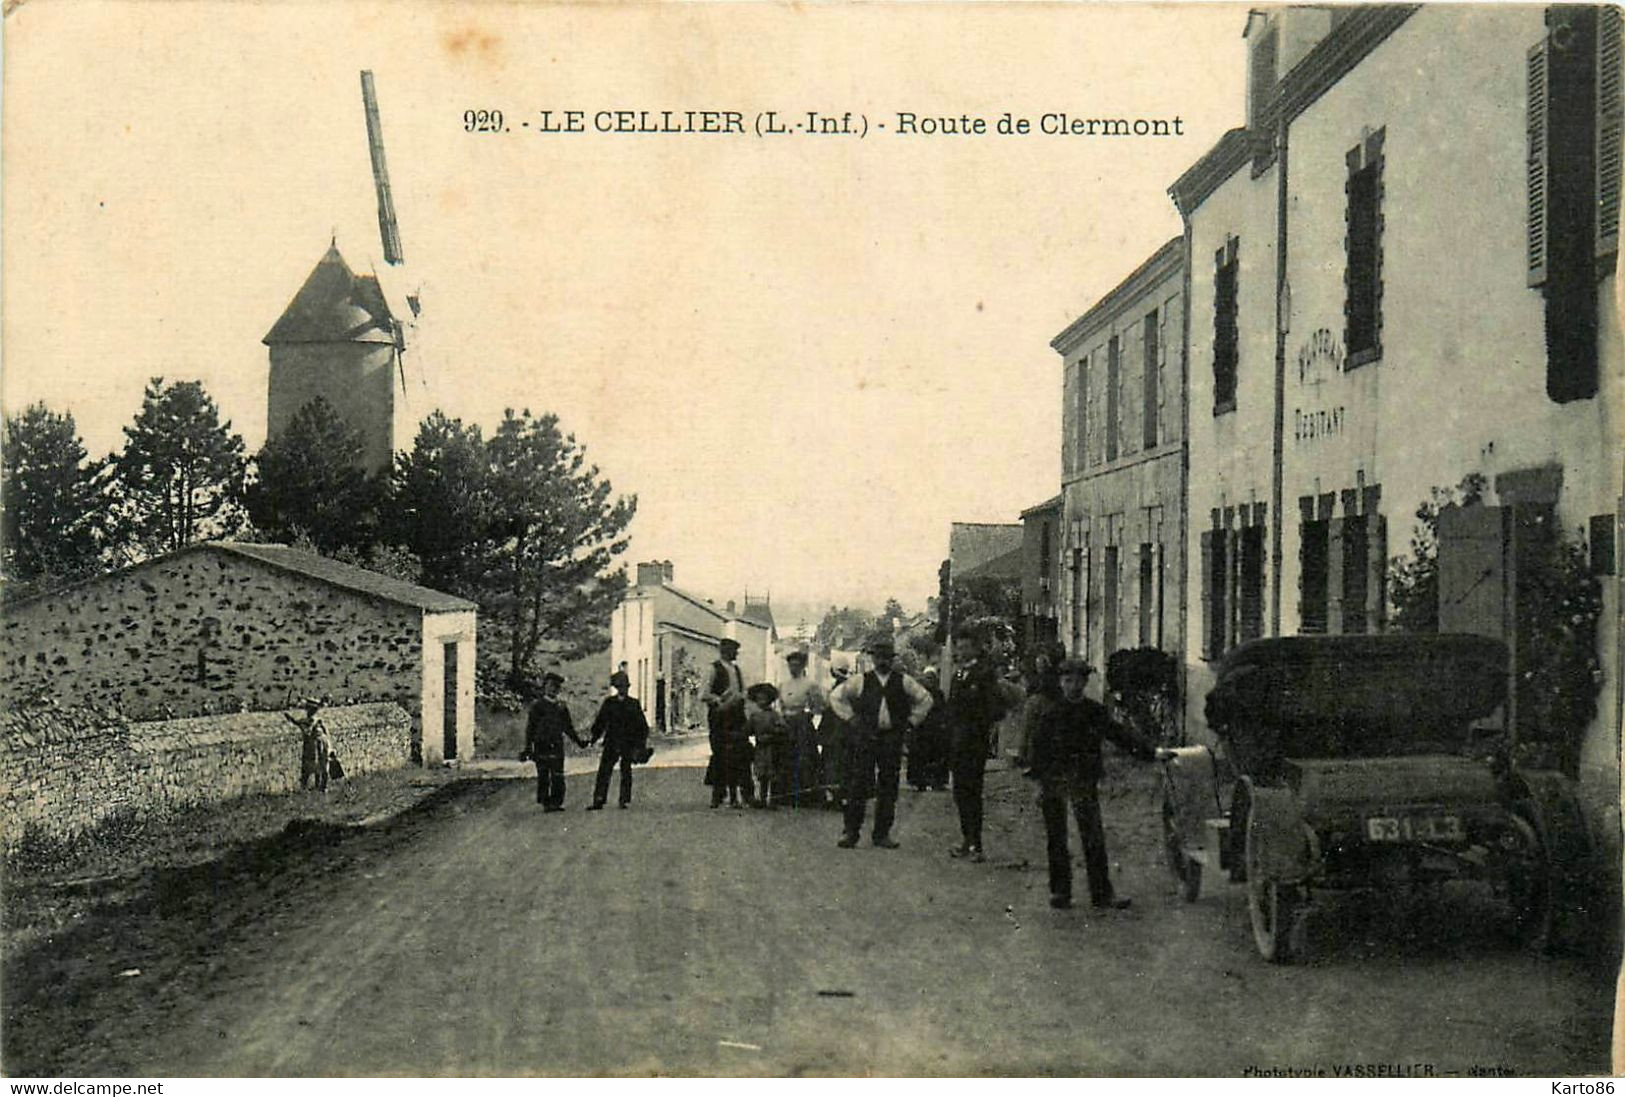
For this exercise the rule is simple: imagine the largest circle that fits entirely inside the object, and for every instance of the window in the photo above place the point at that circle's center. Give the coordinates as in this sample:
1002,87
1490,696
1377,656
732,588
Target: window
1083,413
1250,581
1148,593
1108,617
1113,373
1314,551
1575,116
1225,352
1362,275
1343,562
1152,363
1356,571
1079,594
1215,570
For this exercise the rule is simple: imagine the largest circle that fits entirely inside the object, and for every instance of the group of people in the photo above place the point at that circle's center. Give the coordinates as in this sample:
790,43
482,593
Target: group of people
620,724
846,749
795,745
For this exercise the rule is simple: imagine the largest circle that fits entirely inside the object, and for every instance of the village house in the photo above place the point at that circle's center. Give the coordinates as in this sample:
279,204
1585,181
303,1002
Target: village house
1402,274
667,639
1040,573
1122,462
225,627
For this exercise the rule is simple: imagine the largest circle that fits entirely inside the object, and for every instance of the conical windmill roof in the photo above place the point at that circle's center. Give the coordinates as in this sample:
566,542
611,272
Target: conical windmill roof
335,305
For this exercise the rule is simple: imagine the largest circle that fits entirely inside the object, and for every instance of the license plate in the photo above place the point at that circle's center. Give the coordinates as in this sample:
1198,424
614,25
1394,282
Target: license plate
1413,828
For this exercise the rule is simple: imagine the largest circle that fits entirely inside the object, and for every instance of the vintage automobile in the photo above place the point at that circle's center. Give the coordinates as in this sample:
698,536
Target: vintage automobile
1344,762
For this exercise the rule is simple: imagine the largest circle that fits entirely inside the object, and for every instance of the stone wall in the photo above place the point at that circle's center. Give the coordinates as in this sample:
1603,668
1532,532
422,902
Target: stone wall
65,770
204,632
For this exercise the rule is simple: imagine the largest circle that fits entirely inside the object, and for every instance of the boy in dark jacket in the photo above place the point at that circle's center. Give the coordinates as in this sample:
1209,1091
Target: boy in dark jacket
545,731
625,732
1066,762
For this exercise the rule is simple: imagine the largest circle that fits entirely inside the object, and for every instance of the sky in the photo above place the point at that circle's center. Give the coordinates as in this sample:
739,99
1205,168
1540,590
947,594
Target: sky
807,355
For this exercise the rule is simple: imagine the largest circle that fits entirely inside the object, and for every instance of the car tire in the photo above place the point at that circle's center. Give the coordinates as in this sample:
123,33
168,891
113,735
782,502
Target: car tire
1529,883
1275,910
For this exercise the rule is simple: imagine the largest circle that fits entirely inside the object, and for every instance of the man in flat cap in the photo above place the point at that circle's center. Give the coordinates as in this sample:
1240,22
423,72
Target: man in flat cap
802,701
880,708
1066,762
545,731
976,704
724,702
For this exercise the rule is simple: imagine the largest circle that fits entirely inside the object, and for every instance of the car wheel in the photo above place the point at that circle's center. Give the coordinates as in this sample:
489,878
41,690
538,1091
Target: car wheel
1185,870
1528,883
1276,912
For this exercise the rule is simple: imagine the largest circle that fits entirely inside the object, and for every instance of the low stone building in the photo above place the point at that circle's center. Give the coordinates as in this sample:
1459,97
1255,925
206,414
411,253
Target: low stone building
228,627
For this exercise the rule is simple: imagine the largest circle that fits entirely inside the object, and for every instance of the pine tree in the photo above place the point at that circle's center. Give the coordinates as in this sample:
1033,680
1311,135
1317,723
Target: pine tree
311,482
180,476
52,502
557,530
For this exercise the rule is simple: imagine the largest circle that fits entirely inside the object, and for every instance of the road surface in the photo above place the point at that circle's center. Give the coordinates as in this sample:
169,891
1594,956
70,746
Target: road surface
479,936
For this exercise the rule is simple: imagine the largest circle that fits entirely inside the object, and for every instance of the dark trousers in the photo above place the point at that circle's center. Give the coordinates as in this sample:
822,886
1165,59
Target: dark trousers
874,761
801,762
550,781
731,773
969,768
1086,806
613,753
928,755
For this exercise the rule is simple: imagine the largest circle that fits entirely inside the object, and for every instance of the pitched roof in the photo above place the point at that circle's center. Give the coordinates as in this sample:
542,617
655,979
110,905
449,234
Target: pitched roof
1052,504
761,613
971,544
347,576
335,305
711,607
1004,566
1164,263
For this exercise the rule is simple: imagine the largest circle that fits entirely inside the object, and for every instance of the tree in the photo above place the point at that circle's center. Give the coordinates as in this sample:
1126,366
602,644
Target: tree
437,508
556,530
844,627
1413,582
311,482
53,501
180,477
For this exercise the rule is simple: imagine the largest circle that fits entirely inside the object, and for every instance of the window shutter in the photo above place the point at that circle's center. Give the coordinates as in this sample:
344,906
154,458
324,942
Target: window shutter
1376,588
1334,577
1232,587
1610,124
1472,571
1163,426
1538,166
1207,595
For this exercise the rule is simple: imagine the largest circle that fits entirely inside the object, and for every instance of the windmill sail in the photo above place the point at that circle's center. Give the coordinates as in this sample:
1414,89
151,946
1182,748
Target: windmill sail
388,229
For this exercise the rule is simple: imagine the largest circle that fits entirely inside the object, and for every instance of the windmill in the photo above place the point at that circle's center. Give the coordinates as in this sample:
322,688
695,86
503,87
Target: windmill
397,288
345,335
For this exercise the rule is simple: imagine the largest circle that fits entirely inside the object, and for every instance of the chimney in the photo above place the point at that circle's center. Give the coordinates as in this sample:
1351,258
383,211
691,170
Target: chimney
653,573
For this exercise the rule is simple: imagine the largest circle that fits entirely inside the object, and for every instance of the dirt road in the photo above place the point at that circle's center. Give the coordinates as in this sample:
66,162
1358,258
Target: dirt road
478,936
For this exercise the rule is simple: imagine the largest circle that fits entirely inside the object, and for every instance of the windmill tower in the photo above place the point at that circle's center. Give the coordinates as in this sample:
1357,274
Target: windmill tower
344,337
